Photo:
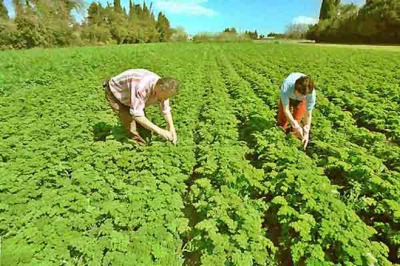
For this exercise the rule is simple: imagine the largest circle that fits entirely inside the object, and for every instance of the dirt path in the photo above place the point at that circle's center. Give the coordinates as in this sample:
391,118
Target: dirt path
390,48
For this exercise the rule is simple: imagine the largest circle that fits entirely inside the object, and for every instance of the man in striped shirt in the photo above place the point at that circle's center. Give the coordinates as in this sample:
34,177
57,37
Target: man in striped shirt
131,91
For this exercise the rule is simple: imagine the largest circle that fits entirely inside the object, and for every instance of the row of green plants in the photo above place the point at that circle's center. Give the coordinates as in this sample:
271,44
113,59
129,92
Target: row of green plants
229,219
235,190
264,73
74,189
313,225
369,183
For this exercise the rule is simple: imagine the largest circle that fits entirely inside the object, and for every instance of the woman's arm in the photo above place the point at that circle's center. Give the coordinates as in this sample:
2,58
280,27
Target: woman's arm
306,128
307,119
292,121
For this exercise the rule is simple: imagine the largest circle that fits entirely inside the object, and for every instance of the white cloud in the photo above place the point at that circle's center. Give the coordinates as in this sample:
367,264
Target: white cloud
191,7
305,20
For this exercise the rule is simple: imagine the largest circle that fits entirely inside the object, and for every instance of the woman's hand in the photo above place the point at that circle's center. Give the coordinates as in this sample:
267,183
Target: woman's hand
297,129
306,136
174,135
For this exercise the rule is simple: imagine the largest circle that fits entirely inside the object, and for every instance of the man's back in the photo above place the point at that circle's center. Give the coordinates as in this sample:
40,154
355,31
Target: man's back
125,83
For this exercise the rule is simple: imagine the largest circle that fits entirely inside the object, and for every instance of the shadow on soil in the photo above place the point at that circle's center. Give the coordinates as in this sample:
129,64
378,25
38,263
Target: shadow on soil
102,130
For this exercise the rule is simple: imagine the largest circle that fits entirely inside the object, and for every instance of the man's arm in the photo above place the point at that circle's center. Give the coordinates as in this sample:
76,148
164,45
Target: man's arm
166,110
168,119
146,123
170,123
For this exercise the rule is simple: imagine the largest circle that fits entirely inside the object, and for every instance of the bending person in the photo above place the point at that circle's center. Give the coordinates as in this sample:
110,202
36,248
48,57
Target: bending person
131,91
297,93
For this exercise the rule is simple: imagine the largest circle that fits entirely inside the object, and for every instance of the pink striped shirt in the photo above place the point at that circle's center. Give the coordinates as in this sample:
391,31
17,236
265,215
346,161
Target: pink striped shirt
135,88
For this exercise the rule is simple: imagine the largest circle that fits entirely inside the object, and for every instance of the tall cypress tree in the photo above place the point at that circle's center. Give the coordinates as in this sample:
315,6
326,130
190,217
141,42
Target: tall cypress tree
329,9
164,28
138,10
167,29
117,6
152,17
132,12
93,13
146,12
131,6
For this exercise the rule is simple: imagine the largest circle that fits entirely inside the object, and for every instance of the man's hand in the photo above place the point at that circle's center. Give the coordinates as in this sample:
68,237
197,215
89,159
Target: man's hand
174,135
166,134
136,137
306,136
149,125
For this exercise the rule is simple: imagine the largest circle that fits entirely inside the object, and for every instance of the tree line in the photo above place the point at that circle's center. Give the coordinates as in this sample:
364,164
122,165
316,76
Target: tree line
228,35
249,34
49,23
377,21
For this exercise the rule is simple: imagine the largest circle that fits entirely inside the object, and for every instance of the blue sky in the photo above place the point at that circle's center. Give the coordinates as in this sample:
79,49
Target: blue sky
214,15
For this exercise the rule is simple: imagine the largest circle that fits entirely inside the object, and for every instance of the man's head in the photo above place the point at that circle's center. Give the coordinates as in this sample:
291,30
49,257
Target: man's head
167,87
304,85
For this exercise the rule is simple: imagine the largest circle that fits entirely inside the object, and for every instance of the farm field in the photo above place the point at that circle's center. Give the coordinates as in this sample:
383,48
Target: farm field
235,190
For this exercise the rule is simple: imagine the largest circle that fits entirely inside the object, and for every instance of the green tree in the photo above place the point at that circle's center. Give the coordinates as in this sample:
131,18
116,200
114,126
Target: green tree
329,9
152,17
97,34
179,35
164,28
296,30
18,7
51,23
66,6
94,14
44,23
117,6
3,11
117,23
230,30
251,35
378,21
145,12
139,11
32,32
9,35
132,15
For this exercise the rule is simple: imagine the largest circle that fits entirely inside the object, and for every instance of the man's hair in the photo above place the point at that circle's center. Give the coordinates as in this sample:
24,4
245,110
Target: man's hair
305,85
169,84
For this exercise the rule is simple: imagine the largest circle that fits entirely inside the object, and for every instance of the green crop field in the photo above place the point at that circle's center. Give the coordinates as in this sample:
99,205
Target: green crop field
235,190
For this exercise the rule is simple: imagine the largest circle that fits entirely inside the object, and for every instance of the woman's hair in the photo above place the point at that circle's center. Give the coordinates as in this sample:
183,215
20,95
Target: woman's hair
304,85
169,84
